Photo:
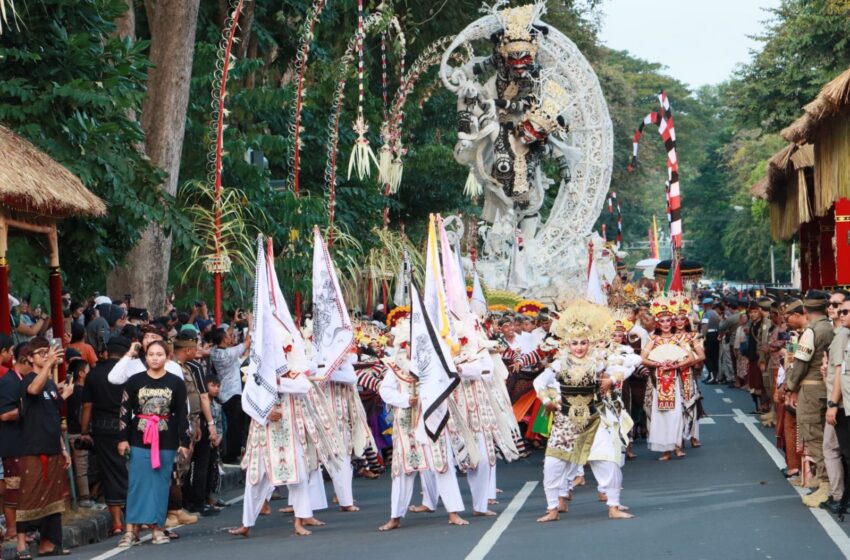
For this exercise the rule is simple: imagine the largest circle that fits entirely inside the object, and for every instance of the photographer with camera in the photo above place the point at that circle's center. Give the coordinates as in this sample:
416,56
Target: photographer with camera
226,358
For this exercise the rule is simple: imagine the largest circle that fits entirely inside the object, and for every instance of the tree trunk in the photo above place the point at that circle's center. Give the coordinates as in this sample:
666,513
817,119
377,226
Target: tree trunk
173,24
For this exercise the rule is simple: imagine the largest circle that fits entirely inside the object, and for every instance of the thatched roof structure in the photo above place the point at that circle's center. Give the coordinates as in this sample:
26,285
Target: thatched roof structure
33,183
832,100
786,188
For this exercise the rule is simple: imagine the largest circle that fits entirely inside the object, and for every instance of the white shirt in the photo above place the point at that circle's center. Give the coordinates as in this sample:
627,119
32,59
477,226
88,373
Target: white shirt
227,363
128,367
641,332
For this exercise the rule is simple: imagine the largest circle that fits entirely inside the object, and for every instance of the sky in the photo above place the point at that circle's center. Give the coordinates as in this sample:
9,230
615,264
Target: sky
701,42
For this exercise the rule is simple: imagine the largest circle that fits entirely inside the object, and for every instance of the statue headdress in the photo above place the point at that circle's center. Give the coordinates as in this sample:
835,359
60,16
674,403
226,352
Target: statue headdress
519,32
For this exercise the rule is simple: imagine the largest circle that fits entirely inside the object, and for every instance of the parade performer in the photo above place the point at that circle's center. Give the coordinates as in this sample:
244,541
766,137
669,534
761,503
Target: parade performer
413,452
623,362
665,357
291,431
571,388
334,355
691,396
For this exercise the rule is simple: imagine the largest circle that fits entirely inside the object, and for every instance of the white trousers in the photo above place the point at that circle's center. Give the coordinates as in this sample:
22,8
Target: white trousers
402,493
342,484
558,476
300,496
491,492
255,496
443,486
479,478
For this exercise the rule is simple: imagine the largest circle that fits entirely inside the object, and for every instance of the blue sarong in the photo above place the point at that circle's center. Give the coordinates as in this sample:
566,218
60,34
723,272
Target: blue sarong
147,495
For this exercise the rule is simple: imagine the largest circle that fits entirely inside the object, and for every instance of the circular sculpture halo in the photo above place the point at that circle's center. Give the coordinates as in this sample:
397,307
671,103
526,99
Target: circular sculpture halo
556,256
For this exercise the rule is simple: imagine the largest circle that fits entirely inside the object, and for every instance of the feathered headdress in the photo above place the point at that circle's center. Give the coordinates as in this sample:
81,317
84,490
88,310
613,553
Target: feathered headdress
581,319
519,33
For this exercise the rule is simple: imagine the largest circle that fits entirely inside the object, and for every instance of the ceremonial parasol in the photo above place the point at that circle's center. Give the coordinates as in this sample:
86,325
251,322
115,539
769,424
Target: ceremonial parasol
690,270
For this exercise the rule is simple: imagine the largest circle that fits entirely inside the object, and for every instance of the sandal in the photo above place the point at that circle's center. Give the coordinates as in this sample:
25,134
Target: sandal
170,534
129,539
23,555
159,537
116,530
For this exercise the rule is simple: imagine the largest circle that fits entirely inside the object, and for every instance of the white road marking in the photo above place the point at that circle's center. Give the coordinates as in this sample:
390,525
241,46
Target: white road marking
116,551
719,391
829,524
492,535
727,400
705,421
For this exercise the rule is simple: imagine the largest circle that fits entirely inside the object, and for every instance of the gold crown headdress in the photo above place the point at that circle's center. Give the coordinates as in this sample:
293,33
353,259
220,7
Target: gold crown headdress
519,34
583,320
665,305
547,111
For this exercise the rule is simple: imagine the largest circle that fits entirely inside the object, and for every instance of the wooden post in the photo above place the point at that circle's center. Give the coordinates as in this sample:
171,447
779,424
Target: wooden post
56,316
5,312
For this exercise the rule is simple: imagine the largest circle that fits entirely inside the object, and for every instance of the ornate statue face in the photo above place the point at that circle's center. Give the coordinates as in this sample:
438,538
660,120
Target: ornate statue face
519,63
529,133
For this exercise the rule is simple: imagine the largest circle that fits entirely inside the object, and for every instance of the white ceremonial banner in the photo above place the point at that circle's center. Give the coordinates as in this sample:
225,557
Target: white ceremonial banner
333,333
478,303
435,290
432,365
267,358
595,294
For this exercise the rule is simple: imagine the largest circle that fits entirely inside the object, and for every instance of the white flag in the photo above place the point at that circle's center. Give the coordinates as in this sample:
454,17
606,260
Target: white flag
595,294
478,303
518,278
267,361
431,363
435,290
333,333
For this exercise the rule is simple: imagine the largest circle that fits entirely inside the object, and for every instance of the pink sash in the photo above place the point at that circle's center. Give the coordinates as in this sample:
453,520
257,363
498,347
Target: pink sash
151,436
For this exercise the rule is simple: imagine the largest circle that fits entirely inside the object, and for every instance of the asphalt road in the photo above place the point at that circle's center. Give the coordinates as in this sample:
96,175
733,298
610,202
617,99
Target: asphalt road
725,500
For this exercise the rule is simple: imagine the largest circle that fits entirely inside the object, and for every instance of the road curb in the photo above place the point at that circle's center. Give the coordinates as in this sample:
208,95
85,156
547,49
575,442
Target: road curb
94,529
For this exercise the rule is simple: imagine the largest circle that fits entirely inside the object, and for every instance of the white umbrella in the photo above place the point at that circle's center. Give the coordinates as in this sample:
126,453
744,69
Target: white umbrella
647,264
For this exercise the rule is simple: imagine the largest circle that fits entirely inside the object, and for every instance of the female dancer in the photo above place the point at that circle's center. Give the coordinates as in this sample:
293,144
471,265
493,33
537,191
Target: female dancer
571,388
691,396
666,421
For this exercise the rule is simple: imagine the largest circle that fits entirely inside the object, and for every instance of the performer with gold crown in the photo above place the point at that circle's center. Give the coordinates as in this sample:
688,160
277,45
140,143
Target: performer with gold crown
572,388
666,356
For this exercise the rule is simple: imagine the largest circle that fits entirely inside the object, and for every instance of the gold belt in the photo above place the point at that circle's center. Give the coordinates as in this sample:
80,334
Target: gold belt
812,382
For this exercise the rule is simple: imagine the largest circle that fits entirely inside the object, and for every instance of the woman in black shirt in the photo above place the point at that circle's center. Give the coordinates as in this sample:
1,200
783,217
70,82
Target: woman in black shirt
155,426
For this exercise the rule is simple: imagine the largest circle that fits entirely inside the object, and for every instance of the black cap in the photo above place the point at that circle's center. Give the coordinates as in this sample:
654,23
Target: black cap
137,314
118,345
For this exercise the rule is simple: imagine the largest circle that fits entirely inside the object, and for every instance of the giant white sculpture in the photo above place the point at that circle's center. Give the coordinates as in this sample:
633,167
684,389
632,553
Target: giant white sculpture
535,98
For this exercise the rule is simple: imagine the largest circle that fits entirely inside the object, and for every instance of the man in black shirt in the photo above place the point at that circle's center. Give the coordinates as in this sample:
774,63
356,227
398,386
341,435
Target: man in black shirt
10,433
44,459
100,424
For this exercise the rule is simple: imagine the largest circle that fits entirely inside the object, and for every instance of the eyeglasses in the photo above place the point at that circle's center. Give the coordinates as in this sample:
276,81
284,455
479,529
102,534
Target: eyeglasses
42,352
844,312
835,304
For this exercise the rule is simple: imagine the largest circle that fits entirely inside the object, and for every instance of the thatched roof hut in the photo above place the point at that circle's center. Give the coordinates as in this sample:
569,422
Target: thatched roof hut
787,188
826,126
34,184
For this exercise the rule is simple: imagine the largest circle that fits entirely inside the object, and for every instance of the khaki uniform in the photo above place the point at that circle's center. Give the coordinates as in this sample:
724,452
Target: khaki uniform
805,379
764,359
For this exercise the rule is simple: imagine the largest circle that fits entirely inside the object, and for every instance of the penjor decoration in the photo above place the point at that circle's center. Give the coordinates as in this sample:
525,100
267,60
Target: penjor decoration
664,120
534,98
362,152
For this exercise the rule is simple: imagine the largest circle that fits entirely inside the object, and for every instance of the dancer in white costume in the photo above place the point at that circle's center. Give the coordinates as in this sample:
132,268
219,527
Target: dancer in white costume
413,452
298,436
584,429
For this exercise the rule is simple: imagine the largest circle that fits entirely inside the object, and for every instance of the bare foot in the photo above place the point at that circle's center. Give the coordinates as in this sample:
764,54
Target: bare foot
680,453
266,510
499,490
616,513
695,442
366,473
602,497
563,505
420,509
287,509
240,531
300,530
313,522
579,481
487,513
349,508
455,519
630,454
334,500
393,523
665,456
492,502
570,496
551,515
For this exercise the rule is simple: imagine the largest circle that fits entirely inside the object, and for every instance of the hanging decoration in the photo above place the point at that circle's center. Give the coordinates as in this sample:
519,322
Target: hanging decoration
362,153
300,67
385,154
664,120
218,262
